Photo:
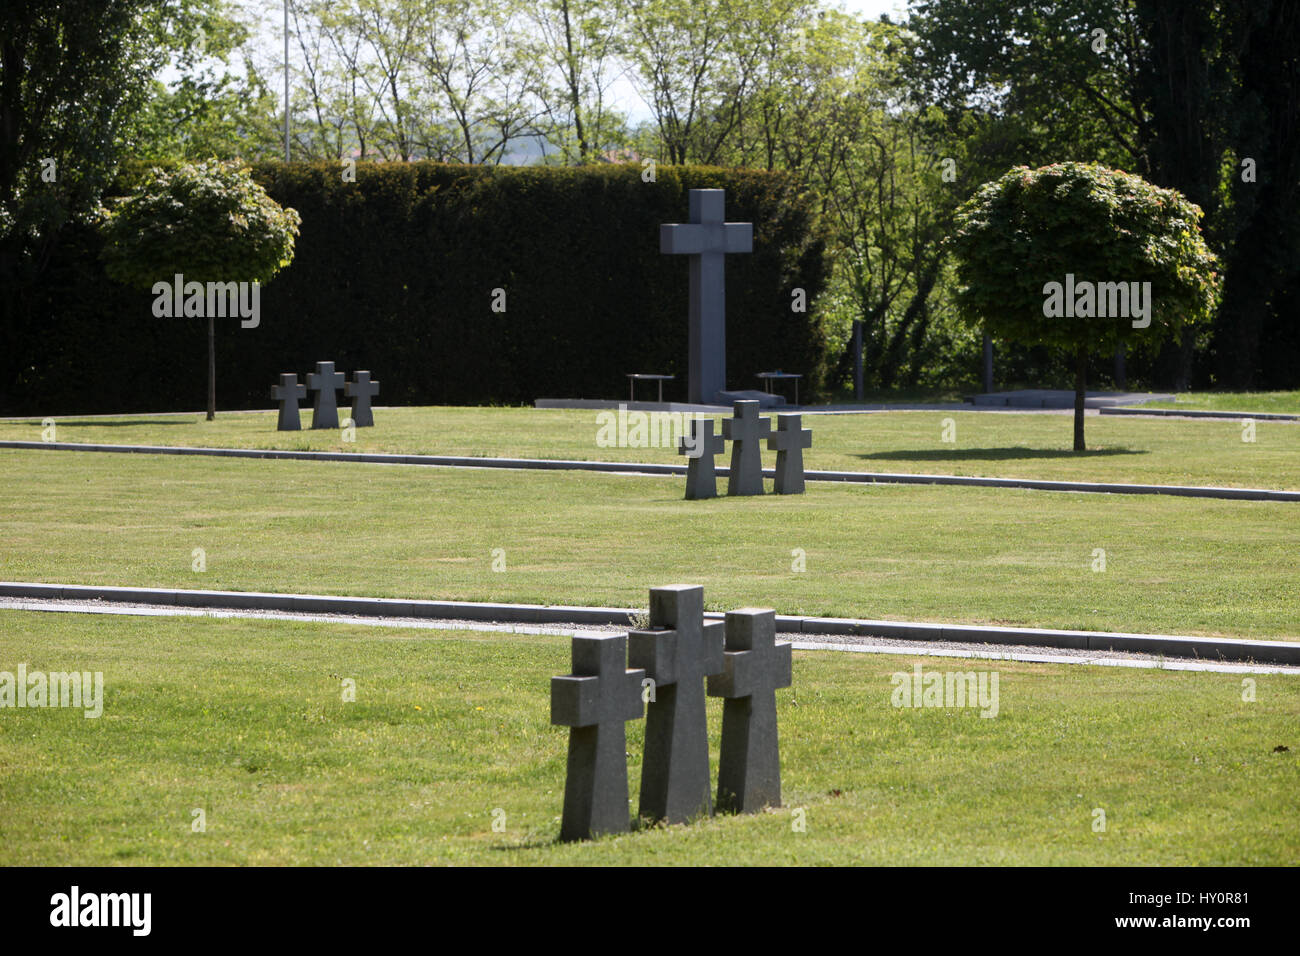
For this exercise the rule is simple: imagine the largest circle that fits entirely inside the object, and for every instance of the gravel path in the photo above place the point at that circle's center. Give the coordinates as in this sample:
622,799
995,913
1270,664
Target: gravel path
802,641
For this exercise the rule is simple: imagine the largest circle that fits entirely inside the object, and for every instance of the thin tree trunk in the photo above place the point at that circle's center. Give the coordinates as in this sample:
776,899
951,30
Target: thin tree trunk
212,369
1080,393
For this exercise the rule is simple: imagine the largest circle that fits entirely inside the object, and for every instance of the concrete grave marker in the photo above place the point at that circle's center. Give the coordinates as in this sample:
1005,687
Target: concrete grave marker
677,655
754,666
593,702
788,442
701,473
746,430
287,393
707,239
324,382
361,390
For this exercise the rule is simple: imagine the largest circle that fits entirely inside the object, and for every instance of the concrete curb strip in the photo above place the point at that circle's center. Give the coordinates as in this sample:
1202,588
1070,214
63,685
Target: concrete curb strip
1204,648
1202,413
651,468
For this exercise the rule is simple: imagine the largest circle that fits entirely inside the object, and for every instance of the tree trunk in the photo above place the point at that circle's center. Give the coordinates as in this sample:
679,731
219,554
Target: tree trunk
1080,393
212,369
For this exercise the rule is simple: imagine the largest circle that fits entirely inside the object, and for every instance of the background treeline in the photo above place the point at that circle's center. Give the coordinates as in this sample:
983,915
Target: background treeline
396,272
888,126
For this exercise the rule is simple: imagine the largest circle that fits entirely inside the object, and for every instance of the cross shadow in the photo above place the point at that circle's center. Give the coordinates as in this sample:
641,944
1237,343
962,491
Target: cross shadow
541,843
993,454
538,844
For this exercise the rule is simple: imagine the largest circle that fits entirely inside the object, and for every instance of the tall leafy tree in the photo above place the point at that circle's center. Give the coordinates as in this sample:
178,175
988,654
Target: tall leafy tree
209,222
1034,248
1180,91
578,43
72,73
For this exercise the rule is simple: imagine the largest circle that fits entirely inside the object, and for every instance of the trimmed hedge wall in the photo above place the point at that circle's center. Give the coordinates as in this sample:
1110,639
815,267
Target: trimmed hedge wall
395,273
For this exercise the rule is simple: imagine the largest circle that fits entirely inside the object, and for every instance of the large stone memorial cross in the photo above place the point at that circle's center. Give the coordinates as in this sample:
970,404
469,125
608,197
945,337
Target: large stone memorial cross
701,473
287,393
789,441
754,666
361,390
677,654
593,702
746,430
324,382
707,238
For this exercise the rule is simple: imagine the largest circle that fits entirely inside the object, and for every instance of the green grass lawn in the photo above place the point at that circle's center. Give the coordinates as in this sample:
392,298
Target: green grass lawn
966,555
245,720
1286,403
994,444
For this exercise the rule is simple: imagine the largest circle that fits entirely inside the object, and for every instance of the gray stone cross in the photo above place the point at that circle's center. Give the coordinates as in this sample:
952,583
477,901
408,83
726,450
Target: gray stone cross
707,238
287,393
361,390
324,382
788,442
677,654
746,430
701,473
754,666
593,702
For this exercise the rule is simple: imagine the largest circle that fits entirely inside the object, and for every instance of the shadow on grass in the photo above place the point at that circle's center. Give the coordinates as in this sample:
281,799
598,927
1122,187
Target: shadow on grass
537,841
97,423
993,454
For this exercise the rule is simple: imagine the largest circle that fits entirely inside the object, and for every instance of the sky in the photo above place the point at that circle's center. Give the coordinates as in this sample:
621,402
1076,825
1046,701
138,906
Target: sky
874,8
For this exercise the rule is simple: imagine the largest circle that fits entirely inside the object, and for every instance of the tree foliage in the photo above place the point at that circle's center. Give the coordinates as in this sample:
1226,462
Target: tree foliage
71,74
1035,227
209,221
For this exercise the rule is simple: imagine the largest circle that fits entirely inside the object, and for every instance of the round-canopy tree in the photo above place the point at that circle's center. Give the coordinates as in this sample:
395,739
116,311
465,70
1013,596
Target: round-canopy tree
208,222
1082,257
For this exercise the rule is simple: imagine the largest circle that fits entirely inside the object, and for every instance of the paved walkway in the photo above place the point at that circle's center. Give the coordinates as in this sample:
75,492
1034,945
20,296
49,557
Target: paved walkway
812,633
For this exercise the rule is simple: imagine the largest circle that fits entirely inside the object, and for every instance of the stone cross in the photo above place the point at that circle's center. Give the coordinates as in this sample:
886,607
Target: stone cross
677,653
287,393
361,390
324,382
754,666
746,430
593,702
701,475
789,442
707,238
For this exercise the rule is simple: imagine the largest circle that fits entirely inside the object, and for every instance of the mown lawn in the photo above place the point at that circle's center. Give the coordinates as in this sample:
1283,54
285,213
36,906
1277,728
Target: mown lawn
969,555
245,721
993,444
1285,403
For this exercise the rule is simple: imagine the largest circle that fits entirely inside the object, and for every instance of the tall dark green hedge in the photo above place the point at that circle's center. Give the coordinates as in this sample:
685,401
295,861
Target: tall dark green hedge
395,273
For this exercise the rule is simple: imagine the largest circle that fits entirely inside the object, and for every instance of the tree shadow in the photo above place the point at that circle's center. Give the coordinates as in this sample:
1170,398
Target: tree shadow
993,454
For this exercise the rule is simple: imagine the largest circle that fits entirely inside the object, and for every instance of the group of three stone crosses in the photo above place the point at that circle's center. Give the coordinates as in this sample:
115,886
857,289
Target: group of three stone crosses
324,383
707,239
663,669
